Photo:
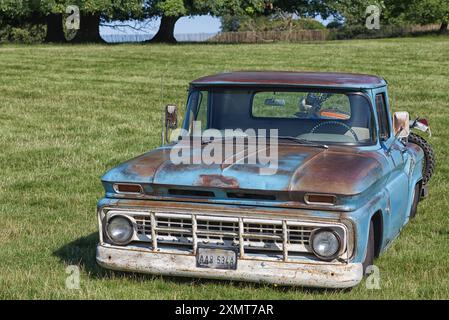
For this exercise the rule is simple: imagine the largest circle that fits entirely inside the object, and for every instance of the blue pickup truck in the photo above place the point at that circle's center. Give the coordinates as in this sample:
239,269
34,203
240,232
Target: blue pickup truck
343,177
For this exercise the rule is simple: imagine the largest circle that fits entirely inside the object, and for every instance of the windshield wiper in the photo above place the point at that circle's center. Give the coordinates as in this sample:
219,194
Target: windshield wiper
291,138
304,142
203,142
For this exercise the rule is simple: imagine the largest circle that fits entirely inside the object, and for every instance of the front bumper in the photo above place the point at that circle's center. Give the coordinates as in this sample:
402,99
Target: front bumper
324,275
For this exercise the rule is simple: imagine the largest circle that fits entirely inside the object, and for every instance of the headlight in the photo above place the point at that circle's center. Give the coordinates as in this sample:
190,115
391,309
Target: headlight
325,244
120,230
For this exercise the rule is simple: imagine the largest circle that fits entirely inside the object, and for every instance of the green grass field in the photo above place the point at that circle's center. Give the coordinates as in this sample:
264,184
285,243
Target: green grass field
69,113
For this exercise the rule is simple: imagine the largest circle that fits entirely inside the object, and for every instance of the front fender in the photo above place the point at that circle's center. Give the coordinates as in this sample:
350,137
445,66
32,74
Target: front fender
361,219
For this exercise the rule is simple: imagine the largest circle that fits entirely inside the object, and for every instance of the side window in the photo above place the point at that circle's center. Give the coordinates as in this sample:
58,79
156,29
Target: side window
201,114
382,115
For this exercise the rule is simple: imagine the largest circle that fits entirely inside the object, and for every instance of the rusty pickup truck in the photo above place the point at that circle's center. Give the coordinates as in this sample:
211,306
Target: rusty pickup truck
316,179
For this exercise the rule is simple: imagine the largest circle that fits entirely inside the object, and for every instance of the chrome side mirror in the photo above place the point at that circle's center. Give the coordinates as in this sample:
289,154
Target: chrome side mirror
401,124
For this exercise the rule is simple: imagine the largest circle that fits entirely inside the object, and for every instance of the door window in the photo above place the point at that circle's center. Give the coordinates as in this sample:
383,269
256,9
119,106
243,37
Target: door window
382,116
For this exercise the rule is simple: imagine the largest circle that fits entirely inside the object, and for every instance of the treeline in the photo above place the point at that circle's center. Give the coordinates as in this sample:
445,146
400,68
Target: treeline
22,19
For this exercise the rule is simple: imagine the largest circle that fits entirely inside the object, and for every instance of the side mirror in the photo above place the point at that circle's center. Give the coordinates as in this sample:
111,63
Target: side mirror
171,117
171,121
401,124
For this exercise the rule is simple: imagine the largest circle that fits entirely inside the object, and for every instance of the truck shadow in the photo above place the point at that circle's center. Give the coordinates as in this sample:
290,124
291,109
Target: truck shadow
81,252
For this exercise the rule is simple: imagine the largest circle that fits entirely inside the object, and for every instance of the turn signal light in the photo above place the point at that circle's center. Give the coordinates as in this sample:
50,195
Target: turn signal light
128,188
323,199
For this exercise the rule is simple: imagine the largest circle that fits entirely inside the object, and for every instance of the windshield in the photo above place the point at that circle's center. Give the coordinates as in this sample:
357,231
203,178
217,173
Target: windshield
317,116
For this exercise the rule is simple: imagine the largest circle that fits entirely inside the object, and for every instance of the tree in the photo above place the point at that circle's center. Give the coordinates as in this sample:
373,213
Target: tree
13,13
429,11
171,10
55,28
281,15
92,12
306,8
285,22
395,12
352,13
23,15
49,12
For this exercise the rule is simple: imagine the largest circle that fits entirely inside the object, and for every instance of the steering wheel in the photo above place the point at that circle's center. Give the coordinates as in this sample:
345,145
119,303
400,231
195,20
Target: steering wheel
330,123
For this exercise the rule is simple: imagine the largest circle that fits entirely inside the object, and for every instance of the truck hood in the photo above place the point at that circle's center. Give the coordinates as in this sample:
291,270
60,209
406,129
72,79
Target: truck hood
337,170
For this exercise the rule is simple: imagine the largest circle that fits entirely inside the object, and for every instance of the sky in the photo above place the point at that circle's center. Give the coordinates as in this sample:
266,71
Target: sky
198,24
185,25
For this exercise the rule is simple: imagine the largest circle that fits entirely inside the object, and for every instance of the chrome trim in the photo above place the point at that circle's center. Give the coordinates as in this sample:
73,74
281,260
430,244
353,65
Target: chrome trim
303,273
237,231
241,239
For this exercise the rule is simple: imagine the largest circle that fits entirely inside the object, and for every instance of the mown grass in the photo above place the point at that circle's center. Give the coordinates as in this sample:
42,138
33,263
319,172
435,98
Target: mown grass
68,113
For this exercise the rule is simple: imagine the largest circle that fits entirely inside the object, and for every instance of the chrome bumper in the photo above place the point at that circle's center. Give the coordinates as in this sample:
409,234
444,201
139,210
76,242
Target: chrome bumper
276,272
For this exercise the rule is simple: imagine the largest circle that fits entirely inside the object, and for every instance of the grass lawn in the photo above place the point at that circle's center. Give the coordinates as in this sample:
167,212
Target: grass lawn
69,113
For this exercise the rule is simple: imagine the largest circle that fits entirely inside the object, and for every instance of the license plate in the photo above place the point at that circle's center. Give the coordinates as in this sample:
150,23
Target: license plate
216,258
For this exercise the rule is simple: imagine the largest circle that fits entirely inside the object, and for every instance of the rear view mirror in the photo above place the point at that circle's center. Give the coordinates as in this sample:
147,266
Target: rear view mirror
272,102
401,124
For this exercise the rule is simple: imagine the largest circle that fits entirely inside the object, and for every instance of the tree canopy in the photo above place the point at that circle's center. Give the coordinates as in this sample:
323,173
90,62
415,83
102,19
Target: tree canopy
93,12
279,15
51,12
429,11
171,10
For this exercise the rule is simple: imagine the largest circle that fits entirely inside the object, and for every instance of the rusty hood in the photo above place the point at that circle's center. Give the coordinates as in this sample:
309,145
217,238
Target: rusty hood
337,170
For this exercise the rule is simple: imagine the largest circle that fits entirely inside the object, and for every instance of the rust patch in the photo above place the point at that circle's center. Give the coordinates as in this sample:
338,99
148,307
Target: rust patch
217,181
147,164
335,172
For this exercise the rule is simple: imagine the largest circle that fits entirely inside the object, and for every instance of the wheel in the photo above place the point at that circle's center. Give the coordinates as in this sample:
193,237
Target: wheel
429,156
416,195
369,258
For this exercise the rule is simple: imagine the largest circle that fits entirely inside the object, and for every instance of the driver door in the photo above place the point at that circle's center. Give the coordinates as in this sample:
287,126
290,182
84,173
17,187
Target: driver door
397,182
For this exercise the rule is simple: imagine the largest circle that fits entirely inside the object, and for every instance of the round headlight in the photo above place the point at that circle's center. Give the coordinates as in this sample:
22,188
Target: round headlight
120,230
325,244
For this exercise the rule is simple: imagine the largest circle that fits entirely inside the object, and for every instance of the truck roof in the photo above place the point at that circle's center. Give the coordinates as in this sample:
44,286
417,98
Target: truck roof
287,78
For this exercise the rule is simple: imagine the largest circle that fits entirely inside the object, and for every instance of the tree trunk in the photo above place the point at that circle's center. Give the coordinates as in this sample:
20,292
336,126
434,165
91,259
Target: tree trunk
55,30
166,30
443,28
89,31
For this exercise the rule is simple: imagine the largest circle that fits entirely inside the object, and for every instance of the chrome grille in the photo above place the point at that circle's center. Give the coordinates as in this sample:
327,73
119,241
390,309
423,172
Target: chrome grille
250,235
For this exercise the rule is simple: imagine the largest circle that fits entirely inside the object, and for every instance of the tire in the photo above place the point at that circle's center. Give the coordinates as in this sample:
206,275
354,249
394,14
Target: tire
429,156
416,196
369,258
